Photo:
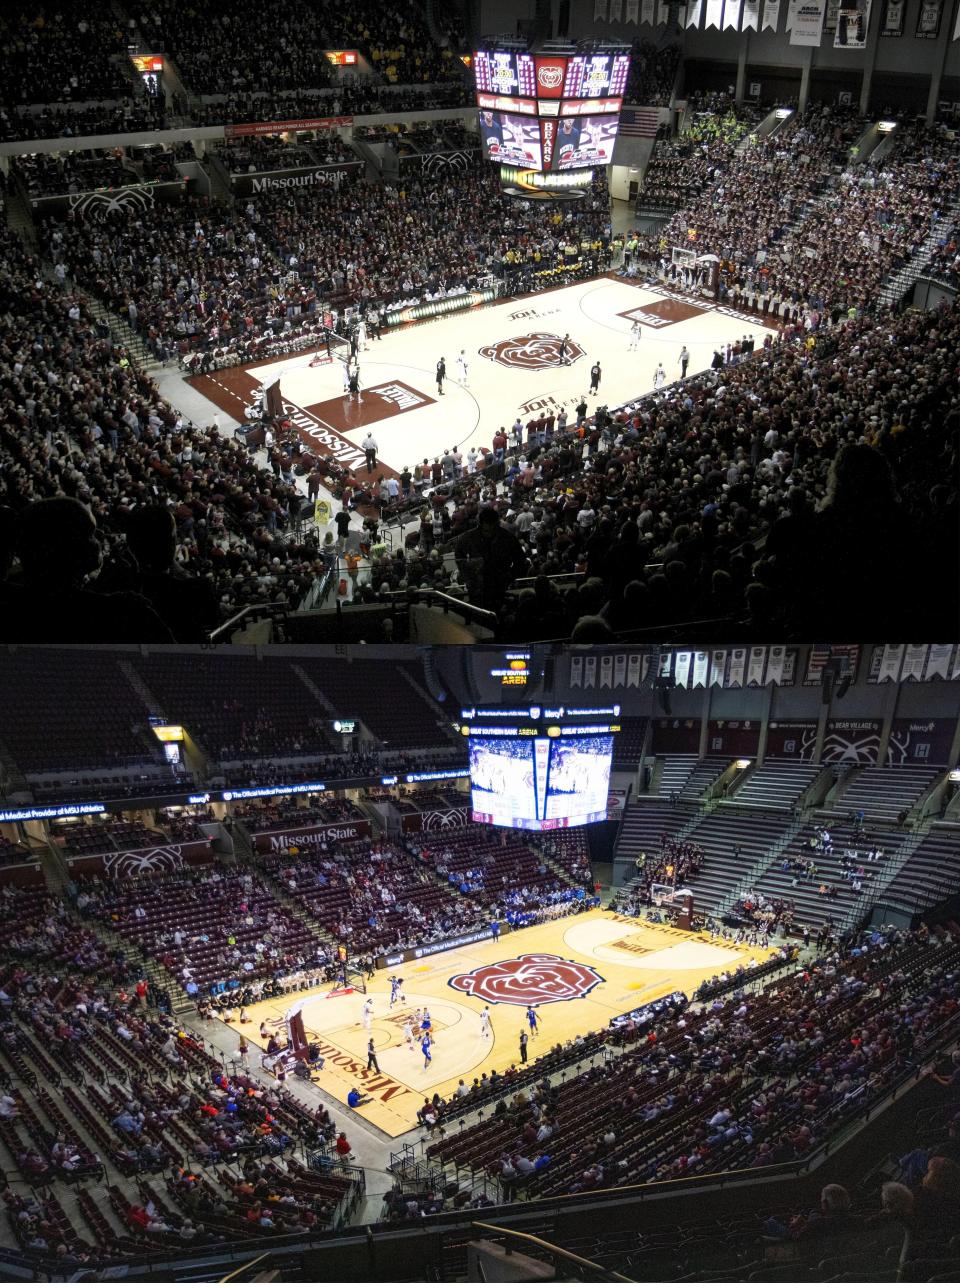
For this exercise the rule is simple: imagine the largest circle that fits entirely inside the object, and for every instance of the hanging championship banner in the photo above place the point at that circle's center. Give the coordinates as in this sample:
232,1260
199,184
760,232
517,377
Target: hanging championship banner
589,671
771,15
755,666
956,30
599,10
853,22
647,11
751,15
713,14
890,663
576,671
693,13
805,21
633,9
914,660
894,18
701,662
731,14
606,671
663,13
775,664
928,19
938,662
681,674
619,670
633,670
718,666
616,10
738,661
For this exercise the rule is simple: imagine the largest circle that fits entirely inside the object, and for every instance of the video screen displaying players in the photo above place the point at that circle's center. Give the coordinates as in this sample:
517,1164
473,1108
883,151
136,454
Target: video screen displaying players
585,141
540,783
502,781
511,140
578,779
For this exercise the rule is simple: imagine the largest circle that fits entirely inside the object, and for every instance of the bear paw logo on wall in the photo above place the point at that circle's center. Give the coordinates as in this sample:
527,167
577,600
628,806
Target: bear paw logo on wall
532,979
531,352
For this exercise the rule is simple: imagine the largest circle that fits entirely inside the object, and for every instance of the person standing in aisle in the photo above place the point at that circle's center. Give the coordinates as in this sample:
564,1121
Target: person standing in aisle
441,374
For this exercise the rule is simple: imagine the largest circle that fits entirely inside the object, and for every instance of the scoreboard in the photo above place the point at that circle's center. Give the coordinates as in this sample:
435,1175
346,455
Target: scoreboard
549,113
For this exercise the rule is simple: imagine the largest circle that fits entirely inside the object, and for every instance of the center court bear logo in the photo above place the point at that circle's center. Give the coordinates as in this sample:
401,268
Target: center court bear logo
531,352
532,979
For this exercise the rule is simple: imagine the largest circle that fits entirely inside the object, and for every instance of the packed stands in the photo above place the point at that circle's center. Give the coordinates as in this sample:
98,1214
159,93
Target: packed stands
216,52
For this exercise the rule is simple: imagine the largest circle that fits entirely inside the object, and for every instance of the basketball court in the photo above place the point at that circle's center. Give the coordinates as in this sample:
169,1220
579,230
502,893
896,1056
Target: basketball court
579,973
512,351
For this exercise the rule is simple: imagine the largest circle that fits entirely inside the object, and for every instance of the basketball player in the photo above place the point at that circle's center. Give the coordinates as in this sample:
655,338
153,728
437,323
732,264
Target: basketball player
395,987
425,1048
659,376
346,376
367,1014
441,374
595,374
355,385
408,1034
532,1021
463,368
485,1028
426,1024
634,337
362,333
564,361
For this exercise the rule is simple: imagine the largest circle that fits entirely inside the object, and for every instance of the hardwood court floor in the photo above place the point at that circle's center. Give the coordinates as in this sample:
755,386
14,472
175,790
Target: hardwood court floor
580,972
513,369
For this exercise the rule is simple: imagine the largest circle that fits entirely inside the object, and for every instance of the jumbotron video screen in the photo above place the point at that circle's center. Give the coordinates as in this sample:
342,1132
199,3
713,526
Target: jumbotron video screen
540,783
549,115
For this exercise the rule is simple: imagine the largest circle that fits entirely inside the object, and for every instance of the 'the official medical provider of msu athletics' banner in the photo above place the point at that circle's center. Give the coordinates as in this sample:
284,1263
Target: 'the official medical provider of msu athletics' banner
316,176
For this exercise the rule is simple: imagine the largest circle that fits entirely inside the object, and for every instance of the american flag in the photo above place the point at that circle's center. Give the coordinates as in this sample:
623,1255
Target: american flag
639,122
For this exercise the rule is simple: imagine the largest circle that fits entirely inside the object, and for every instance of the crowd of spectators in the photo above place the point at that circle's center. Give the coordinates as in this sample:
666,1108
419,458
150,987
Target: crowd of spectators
653,70
59,56
68,172
198,277
679,169
218,50
732,492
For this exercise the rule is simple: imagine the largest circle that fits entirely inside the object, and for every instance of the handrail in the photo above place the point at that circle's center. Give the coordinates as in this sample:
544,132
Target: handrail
555,1249
249,610
463,606
240,1269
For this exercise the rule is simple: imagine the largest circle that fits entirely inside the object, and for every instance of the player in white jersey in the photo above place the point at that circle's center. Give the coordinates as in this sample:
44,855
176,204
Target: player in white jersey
367,1014
463,367
485,1029
659,376
635,331
408,1034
